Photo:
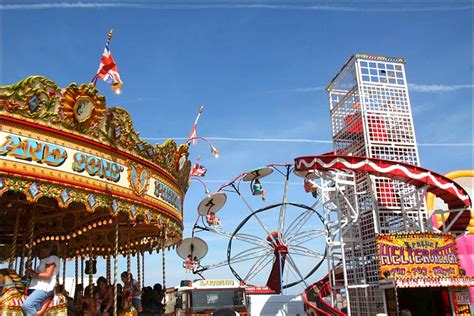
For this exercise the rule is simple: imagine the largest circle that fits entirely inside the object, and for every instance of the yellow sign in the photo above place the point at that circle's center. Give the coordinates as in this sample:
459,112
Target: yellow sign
216,283
417,255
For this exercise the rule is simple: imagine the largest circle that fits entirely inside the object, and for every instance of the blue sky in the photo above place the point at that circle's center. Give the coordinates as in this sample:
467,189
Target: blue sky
259,68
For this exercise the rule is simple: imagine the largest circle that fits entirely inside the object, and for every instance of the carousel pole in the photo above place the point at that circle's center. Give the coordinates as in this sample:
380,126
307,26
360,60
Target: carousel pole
76,272
82,272
30,241
129,265
91,276
163,261
22,258
108,269
115,313
64,269
128,255
15,239
143,269
139,275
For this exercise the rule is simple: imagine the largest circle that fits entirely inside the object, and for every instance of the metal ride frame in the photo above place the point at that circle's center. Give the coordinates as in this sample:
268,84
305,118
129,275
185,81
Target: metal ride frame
342,217
276,247
371,116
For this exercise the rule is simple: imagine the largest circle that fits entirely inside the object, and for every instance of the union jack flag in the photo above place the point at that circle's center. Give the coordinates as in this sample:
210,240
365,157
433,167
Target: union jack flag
198,170
108,70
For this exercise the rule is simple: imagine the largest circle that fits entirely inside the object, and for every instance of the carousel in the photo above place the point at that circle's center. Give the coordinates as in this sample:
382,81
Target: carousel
76,173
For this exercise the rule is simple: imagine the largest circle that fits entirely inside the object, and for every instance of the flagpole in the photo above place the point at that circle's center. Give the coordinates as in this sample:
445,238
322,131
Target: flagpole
107,43
199,115
195,124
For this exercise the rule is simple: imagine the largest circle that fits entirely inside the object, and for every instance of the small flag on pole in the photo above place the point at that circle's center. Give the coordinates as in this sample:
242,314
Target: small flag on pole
198,170
108,70
193,136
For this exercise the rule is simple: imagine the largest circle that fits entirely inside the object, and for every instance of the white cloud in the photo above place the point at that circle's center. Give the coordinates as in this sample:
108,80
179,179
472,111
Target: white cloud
438,87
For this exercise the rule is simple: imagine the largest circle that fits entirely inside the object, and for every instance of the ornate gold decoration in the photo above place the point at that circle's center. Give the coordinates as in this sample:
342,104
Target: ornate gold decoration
139,178
82,108
34,97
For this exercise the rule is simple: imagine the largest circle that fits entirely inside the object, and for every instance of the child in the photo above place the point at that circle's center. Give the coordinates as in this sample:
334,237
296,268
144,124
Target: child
188,263
310,186
257,189
212,219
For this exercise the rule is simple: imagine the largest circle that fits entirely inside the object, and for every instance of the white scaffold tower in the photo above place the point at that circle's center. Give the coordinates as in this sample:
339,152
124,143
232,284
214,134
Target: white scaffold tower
370,117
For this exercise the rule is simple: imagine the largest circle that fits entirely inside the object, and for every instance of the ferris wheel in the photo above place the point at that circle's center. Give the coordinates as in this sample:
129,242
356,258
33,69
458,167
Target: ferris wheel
277,240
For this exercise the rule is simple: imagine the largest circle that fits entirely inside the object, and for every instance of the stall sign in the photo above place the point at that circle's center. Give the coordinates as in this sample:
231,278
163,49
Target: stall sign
216,283
417,255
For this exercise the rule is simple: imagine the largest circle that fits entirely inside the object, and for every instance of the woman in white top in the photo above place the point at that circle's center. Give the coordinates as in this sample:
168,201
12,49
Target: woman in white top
43,280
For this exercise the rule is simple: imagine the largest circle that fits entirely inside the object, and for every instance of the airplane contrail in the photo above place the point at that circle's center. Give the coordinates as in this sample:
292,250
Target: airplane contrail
222,5
298,140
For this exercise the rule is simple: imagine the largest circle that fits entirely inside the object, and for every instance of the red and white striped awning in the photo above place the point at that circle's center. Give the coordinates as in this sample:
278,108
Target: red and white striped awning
444,188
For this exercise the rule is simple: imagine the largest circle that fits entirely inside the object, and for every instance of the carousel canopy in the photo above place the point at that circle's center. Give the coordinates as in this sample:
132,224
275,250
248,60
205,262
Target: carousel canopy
72,169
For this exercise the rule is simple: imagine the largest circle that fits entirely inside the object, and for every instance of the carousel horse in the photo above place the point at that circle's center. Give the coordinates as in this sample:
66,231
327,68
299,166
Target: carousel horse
13,294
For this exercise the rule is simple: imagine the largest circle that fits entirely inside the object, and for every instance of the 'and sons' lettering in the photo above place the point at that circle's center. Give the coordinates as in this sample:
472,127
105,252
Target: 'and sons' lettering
95,166
32,150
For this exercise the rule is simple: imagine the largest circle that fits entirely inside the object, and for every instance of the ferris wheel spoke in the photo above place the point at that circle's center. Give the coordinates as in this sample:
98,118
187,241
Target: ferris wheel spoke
258,266
251,253
298,223
253,240
318,201
305,236
243,237
252,211
304,251
292,263
281,218
215,265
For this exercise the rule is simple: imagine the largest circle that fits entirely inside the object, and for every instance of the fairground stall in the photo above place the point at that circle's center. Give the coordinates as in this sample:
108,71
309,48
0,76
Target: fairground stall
75,172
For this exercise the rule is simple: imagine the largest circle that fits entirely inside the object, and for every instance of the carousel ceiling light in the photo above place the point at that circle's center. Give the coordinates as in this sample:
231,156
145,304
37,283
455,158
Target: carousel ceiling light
94,225
79,232
74,235
89,227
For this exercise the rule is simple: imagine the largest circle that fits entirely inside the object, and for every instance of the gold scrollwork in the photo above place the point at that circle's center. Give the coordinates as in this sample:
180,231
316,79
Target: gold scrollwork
82,108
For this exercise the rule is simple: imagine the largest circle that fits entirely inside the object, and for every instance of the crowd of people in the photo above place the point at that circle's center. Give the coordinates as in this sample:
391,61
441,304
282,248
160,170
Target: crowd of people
94,300
146,301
